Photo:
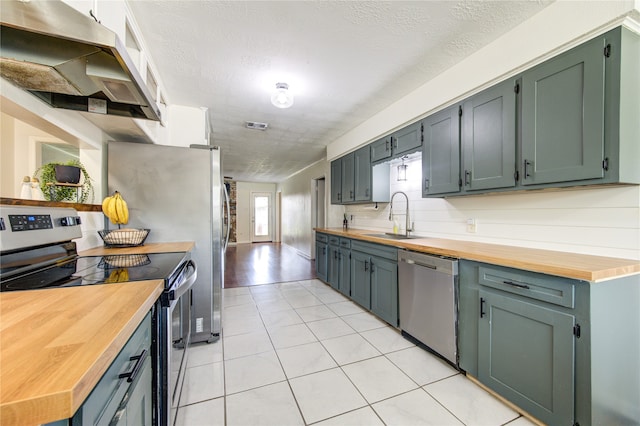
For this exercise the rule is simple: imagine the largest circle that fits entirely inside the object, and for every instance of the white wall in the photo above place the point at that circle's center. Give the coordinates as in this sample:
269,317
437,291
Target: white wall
187,126
297,227
601,221
243,208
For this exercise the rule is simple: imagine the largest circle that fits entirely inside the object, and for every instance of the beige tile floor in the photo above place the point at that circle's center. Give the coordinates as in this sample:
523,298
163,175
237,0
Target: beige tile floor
300,353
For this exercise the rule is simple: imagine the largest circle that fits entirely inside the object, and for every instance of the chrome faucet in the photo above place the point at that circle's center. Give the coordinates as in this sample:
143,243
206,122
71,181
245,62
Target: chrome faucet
407,228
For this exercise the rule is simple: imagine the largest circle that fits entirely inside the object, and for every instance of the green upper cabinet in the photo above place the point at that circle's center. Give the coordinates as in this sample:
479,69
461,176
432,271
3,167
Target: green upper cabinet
400,142
622,107
362,174
336,181
354,180
381,149
488,132
348,181
407,140
563,117
441,153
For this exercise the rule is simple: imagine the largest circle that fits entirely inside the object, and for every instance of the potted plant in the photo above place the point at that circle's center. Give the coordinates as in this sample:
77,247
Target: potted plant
55,173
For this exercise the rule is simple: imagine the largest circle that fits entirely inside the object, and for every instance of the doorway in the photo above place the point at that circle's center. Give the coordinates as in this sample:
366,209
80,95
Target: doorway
261,217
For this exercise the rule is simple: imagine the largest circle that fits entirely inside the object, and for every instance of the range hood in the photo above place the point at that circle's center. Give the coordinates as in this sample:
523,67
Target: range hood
70,61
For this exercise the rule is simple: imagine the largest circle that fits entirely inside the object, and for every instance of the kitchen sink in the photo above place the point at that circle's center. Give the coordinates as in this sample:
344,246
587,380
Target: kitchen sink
394,236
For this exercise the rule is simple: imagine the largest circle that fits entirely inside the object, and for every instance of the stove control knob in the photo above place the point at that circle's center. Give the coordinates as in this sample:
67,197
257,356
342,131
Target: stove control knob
70,221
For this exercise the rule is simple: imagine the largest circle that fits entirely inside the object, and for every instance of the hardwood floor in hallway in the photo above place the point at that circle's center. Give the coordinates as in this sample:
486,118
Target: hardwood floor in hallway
265,263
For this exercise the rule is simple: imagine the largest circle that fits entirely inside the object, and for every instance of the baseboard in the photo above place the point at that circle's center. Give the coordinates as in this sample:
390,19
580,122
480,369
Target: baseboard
300,253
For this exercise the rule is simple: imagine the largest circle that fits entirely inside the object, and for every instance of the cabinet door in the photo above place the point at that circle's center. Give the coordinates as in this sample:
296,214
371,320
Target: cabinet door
489,138
140,402
336,181
345,272
362,174
381,149
333,267
407,139
384,290
348,176
361,279
526,354
441,153
563,117
321,261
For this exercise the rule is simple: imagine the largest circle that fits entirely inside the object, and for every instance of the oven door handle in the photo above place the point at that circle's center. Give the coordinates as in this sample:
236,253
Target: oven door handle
186,285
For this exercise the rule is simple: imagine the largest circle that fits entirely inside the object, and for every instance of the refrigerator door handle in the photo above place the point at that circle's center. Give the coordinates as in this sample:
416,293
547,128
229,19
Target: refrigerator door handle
226,201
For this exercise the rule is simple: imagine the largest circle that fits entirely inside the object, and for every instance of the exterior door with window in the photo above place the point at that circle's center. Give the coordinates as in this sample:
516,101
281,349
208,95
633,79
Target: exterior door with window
261,220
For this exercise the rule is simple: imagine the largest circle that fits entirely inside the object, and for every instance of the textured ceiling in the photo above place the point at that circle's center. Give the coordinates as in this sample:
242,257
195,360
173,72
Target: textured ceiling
344,61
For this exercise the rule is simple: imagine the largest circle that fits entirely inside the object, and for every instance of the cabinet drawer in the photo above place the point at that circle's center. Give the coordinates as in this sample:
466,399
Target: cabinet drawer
333,240
323,238
345,242
384,252
555,290
102,403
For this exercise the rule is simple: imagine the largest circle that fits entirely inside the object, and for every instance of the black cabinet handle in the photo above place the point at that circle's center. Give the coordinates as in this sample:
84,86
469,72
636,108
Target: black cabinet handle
335,255
482,302
366,192
324,250
339,196
467,177
366,265
351,195
386,145
527,163
511,283
131,376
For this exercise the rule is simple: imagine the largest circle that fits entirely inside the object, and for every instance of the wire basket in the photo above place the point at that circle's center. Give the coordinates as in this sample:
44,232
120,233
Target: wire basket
123,261
123,237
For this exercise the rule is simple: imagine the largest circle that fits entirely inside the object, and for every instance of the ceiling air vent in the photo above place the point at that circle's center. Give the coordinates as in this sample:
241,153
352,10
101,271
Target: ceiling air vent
256,125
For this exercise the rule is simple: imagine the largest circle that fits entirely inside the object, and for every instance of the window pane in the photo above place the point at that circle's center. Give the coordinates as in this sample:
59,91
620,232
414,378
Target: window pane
261,213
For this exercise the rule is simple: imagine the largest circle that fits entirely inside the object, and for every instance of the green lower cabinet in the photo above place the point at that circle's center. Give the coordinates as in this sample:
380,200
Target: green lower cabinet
374,279
384,290
526,354
333,266
344,272
321,260
361,279
525,335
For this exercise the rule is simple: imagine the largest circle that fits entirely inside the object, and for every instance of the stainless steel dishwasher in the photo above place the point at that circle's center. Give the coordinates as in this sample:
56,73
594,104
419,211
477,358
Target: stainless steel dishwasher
428,301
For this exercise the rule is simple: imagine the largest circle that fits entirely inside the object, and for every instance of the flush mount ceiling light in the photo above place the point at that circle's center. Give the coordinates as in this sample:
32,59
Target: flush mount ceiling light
402,171
282,98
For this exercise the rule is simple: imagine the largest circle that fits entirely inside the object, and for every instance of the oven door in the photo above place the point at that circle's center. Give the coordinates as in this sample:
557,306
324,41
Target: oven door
175,327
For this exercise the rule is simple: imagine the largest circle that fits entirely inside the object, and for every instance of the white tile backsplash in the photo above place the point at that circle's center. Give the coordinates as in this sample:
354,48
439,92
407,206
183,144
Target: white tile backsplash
602,221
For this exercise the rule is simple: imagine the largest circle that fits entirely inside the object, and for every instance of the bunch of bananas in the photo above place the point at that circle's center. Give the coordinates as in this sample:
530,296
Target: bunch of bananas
115,208
118,276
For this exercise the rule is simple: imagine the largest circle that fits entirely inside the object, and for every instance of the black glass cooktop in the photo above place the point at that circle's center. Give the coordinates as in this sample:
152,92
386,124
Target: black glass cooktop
101,270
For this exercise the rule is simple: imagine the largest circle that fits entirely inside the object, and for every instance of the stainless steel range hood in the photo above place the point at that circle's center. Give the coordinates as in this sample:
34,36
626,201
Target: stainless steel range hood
70,61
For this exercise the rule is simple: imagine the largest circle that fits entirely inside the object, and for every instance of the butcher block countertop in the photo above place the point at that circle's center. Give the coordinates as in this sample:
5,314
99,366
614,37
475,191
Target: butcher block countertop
569,265
57,343
147,248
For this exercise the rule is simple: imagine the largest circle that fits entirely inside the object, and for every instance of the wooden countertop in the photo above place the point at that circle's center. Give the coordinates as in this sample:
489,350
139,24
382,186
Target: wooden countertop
55,345
569,265
147,248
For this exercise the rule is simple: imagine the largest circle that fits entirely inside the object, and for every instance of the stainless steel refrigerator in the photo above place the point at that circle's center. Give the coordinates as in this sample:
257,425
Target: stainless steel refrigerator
178,193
